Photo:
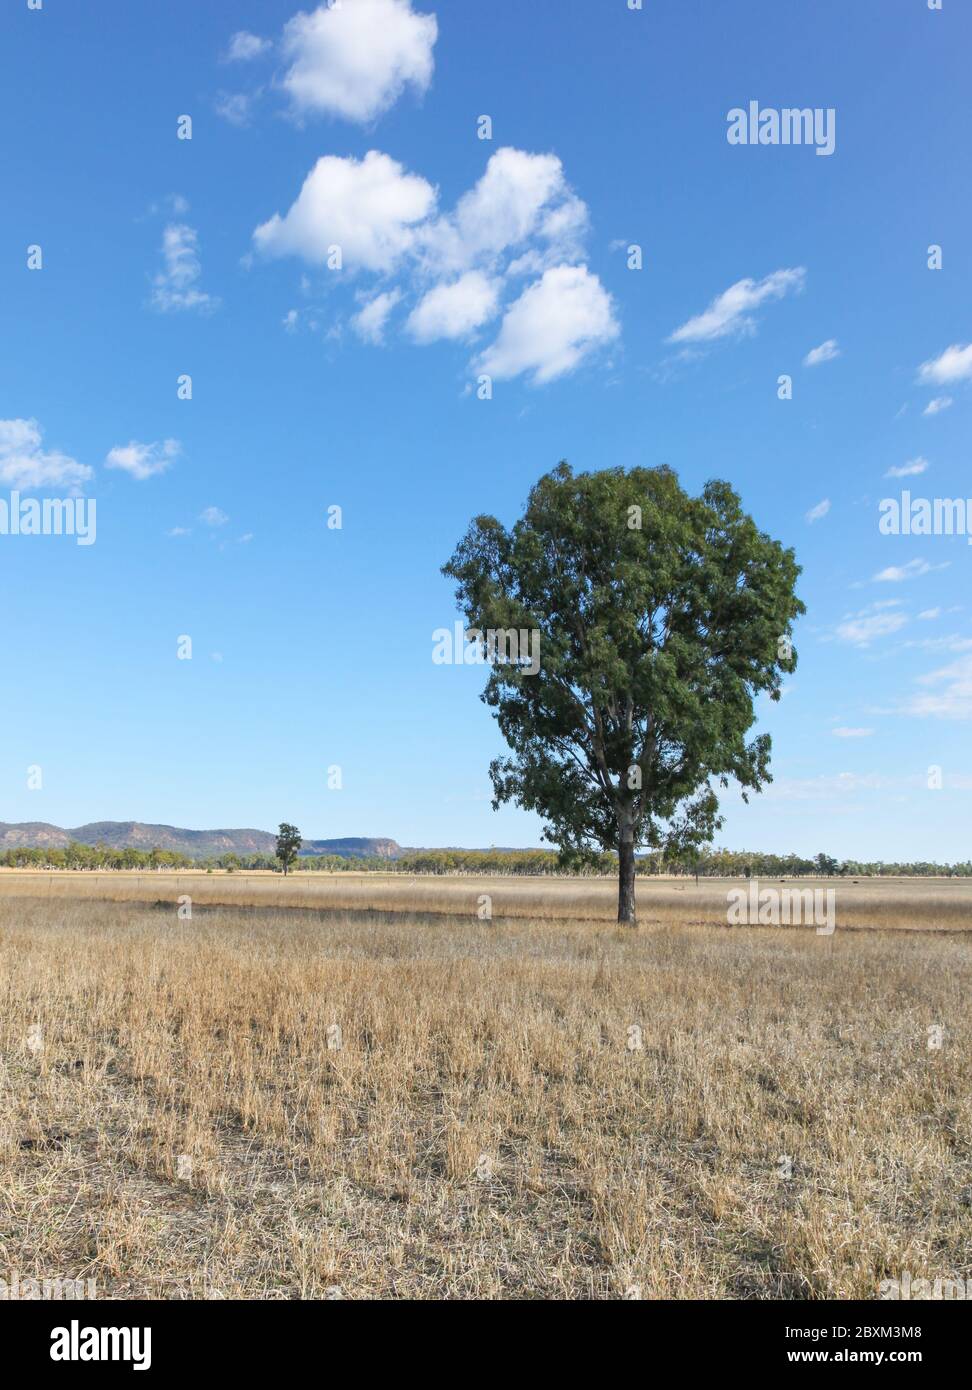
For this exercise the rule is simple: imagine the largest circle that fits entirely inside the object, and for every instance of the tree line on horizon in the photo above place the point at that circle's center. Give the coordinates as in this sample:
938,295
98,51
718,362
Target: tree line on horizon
707,863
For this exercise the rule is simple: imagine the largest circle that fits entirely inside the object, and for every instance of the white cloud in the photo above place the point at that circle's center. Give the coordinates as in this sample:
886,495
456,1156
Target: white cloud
952,643
852,733
234,107
936,406
819,511
729,312
243,47
894,574
454,310
953,701
355,59
954,364
862,628
457,265
23,463
369,322
213,516
553,325
826,352
519,196
290,319
143,460
909,469
368,207
175,286
927,614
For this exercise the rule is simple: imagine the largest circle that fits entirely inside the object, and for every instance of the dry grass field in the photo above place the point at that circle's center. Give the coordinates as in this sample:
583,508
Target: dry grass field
936,904
282,1103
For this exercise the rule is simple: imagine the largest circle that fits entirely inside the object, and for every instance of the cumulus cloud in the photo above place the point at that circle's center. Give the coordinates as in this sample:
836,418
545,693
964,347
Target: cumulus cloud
954,364
456,309
368,207
519,196
213,516
175,287
355,59
143,461
819,511
730,313
936,406
553,325
24,463
243,47
369,323
520,219
826,352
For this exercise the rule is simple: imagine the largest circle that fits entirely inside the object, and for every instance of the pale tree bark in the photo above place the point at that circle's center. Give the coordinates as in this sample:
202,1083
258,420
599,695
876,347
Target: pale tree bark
626,874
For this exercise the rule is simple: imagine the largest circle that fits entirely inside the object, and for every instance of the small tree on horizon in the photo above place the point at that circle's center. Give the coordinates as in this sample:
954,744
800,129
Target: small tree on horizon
288,845
661,616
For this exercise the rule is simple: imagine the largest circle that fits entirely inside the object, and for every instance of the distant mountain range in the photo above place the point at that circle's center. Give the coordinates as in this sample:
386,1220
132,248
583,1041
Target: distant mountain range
200,844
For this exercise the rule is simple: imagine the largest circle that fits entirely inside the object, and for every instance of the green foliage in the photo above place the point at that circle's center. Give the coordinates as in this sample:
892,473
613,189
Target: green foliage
661,617
288,845
712,863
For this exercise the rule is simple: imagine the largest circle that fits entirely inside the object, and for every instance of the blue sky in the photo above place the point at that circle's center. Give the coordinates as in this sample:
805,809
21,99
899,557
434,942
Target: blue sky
314,387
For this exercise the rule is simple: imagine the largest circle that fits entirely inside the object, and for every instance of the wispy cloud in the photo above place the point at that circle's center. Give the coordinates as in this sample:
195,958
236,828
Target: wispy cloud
369,323
826,352
952,701
175,287
25,463
243,47
896,574
235,107
936,406
818,512
909,469
143,461
861,629
730,313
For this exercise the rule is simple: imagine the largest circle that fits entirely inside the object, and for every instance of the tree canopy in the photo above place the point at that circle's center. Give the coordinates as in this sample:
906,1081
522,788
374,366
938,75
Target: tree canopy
661,617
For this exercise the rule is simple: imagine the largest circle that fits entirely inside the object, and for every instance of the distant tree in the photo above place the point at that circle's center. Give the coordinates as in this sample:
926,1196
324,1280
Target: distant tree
288,845
660,618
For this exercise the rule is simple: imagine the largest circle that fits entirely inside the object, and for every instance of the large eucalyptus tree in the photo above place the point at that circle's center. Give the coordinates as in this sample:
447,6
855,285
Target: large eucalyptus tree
661,617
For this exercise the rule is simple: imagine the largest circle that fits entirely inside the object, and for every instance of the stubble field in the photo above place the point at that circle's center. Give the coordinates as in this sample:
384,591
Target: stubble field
278,1102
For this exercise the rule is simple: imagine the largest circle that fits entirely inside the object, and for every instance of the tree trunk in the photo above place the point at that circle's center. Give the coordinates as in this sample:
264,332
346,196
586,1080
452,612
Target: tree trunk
626,881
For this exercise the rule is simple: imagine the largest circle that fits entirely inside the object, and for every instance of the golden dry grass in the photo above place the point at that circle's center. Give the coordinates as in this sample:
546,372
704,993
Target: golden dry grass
493,1124
936,904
